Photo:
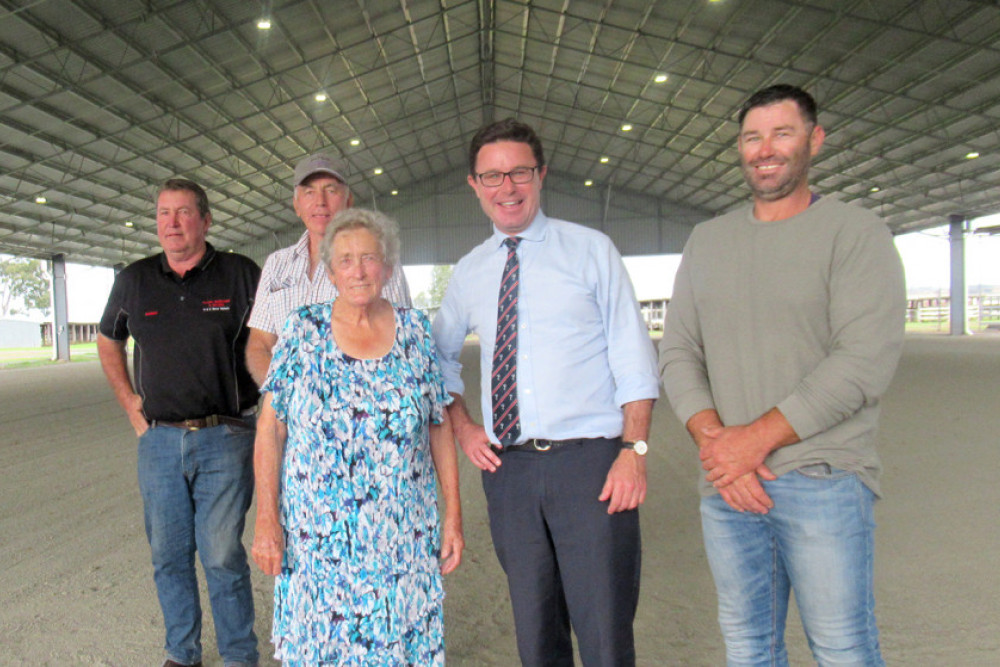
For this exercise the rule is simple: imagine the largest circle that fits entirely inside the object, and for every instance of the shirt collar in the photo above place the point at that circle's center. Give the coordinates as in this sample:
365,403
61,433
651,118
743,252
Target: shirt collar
535,231
301,247
202,263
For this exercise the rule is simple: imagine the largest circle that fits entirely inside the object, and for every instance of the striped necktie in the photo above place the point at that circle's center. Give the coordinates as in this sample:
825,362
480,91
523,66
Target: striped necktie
506,420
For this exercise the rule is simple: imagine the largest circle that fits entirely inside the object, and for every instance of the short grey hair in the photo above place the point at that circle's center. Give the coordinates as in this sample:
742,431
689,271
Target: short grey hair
383,228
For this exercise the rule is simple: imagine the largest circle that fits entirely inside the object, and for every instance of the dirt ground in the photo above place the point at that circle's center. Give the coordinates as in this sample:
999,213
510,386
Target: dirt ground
76,587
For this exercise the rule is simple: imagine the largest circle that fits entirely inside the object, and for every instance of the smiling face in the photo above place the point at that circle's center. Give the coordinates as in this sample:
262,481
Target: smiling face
776,147
357,267
318,199
180,226
510,206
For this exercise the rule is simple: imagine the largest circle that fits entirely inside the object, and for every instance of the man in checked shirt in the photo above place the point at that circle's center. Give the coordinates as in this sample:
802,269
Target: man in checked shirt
294,276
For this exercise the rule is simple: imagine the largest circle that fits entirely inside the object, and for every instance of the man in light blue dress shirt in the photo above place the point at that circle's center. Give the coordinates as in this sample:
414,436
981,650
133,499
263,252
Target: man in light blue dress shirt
563,498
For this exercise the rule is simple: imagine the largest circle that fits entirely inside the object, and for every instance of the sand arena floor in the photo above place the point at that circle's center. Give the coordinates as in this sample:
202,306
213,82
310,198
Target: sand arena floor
76,587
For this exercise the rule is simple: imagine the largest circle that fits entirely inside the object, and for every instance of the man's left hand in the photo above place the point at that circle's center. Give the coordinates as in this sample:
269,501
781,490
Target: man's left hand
625,487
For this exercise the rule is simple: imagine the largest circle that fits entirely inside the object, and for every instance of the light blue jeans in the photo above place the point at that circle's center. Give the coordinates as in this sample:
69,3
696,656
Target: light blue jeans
196,489
818,541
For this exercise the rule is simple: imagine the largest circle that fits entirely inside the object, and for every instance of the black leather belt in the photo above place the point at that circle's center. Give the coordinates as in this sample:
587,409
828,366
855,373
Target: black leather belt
202,422
536,445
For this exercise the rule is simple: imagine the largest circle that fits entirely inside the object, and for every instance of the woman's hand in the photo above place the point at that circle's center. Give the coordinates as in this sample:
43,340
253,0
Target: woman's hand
269,447
268,545
452,544
446,466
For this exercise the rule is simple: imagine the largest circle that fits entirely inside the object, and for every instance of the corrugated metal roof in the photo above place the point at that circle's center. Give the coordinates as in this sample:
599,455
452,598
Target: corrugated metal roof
101,100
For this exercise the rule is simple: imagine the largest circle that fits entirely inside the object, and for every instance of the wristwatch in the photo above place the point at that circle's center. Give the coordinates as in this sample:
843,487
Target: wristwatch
639,447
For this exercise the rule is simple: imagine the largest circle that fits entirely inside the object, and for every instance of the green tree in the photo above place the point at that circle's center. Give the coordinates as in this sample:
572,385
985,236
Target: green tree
440,277
24,284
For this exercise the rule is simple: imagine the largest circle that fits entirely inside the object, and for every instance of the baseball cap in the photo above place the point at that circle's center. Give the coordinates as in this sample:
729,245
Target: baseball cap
318,163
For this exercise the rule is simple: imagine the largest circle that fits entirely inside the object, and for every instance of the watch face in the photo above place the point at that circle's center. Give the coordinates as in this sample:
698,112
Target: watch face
639,447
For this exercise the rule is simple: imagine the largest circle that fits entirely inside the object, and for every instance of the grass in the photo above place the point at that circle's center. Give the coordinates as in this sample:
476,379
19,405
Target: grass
23,357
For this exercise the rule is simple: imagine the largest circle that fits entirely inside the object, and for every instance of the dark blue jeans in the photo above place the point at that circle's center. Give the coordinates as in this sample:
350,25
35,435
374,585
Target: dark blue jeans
196,489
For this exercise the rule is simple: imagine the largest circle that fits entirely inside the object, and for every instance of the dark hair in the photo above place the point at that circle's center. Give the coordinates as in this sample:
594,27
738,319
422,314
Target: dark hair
508,129
184,184
780,93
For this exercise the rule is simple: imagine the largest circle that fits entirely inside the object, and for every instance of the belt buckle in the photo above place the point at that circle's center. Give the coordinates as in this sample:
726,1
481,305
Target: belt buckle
539,447
191,424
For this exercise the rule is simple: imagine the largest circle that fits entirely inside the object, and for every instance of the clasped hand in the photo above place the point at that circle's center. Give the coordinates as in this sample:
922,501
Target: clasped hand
734,459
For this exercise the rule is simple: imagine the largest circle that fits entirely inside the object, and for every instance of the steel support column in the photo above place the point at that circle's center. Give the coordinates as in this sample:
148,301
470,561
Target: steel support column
60,309
959,299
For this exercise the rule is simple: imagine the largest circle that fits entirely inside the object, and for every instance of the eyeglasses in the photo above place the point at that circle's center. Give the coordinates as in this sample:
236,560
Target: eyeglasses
494,179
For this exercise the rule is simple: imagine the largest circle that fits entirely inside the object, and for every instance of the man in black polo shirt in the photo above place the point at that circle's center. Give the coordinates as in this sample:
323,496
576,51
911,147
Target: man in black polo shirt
192,405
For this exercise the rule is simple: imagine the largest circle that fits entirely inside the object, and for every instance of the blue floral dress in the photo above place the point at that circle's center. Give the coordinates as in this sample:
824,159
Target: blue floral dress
360,581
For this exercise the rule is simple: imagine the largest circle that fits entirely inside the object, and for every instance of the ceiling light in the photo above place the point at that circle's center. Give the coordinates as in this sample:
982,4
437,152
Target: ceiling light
378,170
605,159
264,24
971,156
355,142
129,223
588,182
321,97
395,192
40,199
627,127
875,188
660,78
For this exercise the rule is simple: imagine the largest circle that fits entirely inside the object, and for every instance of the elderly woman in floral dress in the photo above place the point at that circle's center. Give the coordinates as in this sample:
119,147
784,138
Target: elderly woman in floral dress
351,434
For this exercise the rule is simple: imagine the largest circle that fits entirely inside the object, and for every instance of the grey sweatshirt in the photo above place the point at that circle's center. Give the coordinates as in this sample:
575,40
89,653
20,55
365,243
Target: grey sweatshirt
804,314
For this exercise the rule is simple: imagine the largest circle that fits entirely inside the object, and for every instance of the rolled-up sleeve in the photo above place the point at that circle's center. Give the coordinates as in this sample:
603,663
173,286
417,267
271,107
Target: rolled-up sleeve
449,330
631,354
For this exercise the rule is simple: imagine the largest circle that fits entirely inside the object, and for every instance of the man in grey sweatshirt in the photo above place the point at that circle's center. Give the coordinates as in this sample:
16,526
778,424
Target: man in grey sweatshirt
784,329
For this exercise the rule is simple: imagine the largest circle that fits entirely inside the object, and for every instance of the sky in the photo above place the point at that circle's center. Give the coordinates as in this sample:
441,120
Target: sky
925,259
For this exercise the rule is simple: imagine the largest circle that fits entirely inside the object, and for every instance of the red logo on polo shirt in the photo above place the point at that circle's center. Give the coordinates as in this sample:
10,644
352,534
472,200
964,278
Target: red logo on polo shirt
212,305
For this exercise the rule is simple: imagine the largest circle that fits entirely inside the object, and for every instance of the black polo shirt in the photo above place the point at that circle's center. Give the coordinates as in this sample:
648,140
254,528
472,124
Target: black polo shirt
190,334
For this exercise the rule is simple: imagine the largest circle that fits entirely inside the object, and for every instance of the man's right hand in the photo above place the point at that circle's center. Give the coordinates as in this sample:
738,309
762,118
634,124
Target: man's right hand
471,436
747,494
136,416
114,363
473,441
